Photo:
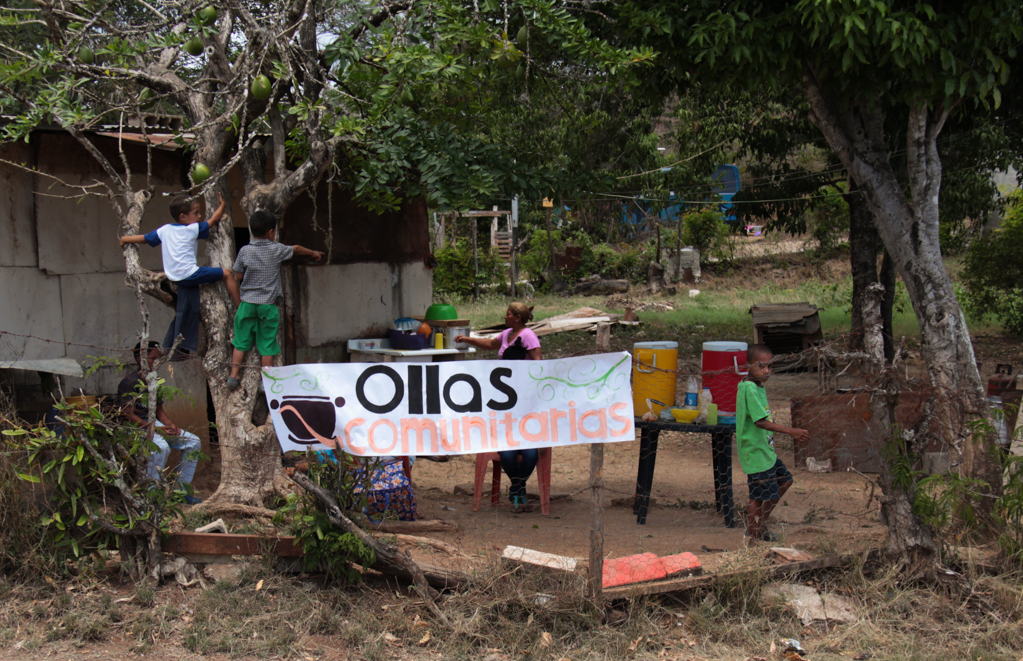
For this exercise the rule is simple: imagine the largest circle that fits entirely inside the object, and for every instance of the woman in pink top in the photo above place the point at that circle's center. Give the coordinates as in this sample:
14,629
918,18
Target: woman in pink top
514,343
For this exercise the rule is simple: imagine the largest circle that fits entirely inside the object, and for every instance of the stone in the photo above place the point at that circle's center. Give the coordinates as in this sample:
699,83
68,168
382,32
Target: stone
222,571
810,605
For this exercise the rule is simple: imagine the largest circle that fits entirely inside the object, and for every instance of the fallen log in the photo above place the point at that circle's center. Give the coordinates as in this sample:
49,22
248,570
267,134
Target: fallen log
389,559
599,287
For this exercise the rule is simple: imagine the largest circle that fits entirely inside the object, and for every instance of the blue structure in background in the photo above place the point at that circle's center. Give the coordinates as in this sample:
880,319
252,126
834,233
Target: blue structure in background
726,185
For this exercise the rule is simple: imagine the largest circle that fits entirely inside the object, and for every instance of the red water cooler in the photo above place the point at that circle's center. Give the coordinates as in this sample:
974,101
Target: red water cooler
723,369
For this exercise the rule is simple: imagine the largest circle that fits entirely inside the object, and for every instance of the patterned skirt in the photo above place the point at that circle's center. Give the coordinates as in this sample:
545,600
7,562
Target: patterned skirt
390,494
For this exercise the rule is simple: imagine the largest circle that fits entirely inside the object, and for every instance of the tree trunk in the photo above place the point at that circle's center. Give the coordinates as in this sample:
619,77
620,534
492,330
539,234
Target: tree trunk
909,229
888,278
862,259
908,537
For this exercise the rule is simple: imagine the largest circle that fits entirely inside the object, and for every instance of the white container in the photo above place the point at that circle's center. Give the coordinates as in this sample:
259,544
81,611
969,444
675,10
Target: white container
703,403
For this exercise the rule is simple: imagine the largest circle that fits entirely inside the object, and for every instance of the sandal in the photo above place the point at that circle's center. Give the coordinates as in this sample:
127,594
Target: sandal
521,506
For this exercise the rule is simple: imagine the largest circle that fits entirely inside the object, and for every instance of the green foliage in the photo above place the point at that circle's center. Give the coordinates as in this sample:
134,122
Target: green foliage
625,261
706,231
951,504
455,273
1008,510
93,468
536,260
20,527
325,547
993,272
828,223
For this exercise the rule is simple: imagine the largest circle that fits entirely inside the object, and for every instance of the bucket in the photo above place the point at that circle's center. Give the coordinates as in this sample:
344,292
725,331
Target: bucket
654,365
722,372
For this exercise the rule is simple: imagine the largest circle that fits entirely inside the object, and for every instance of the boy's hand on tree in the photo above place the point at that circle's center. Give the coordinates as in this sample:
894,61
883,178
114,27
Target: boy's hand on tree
316,255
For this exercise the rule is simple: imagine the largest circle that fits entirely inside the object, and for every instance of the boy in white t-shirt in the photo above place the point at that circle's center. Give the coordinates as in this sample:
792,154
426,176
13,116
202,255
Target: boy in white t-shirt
178,242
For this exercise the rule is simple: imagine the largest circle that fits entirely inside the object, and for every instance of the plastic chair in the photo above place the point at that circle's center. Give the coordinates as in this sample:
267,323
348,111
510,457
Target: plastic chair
543,476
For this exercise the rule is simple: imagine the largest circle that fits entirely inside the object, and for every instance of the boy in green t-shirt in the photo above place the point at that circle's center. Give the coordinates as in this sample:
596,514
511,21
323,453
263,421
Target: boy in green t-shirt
766,475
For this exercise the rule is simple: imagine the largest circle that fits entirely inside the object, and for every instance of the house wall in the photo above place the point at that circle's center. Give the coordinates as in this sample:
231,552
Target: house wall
62,276
333,304
62,270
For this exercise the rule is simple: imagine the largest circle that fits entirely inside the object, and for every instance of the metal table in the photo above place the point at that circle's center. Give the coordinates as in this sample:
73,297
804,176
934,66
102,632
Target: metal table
721,462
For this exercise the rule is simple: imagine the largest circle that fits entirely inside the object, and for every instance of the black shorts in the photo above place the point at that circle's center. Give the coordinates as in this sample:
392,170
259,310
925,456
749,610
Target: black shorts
767,485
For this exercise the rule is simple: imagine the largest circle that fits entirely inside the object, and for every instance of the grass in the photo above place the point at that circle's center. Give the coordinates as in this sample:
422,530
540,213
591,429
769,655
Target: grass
721,310
293,617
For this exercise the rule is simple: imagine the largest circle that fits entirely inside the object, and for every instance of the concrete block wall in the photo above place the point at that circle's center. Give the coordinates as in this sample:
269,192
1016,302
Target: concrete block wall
675,269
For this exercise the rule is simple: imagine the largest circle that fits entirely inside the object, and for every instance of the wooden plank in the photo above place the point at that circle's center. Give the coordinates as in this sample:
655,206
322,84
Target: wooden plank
682,584
519,555
483,214
595,581
220,544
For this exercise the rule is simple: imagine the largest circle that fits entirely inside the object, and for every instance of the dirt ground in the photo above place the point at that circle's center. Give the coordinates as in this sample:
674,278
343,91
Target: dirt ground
821,512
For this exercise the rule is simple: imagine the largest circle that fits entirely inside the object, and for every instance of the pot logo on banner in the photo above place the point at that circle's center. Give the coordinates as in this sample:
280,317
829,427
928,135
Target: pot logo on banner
451,408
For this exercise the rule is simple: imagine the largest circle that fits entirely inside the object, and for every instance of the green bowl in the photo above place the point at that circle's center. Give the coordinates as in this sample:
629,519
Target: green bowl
440,312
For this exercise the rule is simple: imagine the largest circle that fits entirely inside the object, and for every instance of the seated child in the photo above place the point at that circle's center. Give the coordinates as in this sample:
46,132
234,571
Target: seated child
258,269
766,475
131,398
178,242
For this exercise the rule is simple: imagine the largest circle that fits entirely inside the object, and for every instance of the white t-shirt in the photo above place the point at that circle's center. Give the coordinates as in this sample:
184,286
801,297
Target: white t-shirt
178,243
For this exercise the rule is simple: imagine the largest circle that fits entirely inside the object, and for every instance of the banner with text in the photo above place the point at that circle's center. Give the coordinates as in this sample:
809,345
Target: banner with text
463,407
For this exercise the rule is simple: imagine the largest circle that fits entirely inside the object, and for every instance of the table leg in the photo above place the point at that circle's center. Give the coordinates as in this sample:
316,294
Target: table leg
648,477
721,444
644,446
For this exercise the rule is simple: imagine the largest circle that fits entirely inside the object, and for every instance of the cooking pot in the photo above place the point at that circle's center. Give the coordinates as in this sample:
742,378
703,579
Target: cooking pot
452,332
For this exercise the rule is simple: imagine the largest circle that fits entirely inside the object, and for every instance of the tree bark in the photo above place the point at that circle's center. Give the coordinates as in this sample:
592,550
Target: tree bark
908,537
909,228
863,241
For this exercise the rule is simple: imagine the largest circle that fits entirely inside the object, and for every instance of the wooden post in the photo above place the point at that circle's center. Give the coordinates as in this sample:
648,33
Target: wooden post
513,268
603,337
556,283
475,262
595,583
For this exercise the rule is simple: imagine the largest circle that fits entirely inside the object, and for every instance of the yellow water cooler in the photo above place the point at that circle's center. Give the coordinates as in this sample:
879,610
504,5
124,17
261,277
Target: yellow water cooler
654,367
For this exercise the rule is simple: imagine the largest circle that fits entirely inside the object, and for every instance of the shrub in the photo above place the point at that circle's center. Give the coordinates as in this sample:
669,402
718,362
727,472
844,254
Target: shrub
455,271
828,223
706,231
993,273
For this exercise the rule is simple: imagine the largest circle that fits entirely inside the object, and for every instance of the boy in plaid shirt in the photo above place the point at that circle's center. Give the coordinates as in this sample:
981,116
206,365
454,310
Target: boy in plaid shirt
258,270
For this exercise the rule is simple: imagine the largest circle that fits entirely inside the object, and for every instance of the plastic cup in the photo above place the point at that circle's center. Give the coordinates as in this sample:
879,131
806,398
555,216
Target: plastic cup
712,414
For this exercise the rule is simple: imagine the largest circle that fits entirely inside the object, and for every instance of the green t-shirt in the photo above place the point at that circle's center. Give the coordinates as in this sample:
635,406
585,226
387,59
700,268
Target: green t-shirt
756,445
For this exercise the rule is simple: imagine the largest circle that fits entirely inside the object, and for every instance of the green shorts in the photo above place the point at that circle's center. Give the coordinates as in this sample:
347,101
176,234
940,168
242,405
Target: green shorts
257,323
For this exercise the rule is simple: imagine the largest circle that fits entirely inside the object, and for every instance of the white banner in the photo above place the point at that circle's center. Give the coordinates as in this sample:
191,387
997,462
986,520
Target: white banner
464,407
